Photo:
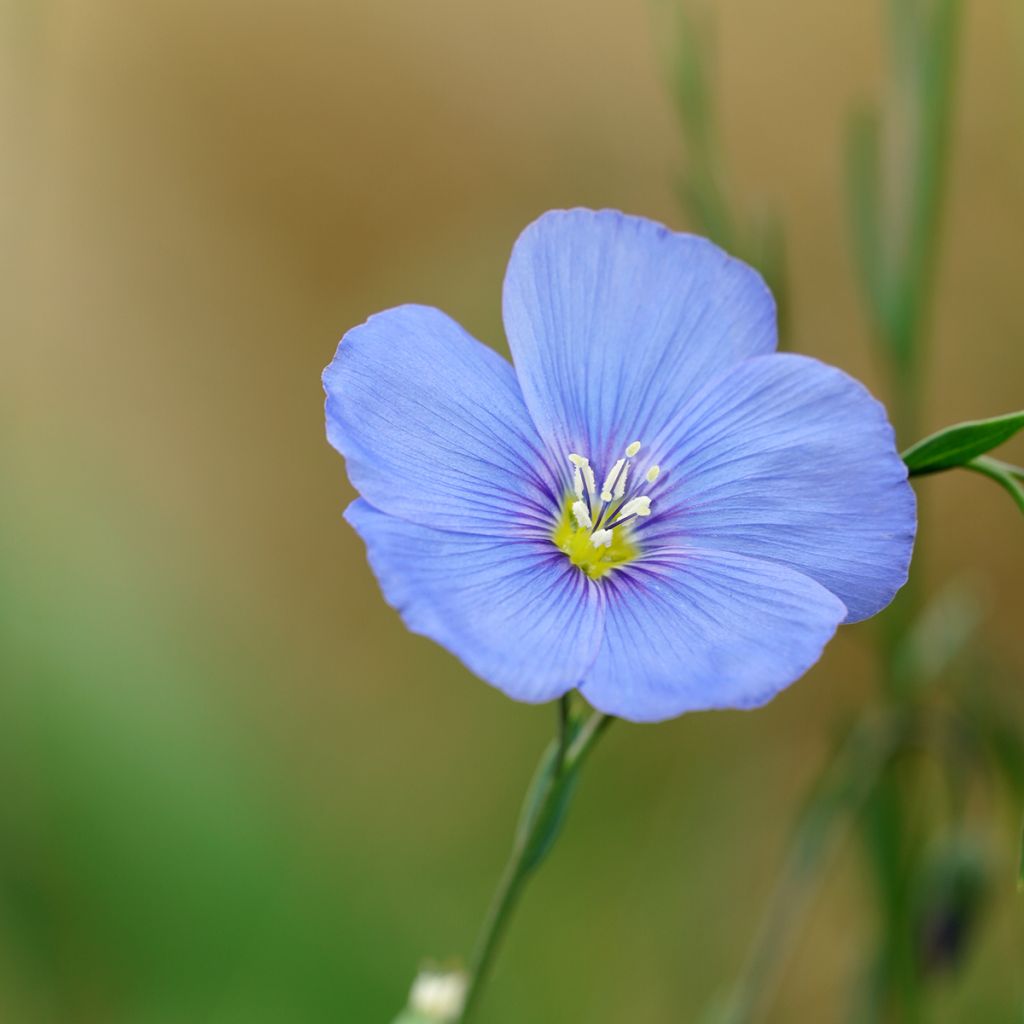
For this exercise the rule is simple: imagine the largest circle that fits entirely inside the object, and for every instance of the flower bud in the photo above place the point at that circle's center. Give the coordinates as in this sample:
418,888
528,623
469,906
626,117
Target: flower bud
438,995
950,898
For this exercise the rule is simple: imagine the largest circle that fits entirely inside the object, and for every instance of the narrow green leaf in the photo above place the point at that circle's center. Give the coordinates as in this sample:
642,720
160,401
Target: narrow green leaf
551,791
545,810
692,71
931,65
865,208
959,444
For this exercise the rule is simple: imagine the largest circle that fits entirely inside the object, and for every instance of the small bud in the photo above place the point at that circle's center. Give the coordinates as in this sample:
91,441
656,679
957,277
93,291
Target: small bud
952,888
438,995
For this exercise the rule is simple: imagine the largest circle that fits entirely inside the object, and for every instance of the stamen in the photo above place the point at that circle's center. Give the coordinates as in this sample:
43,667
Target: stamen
582,515
620,487
611,480
582,464
586,531
636,507
621,521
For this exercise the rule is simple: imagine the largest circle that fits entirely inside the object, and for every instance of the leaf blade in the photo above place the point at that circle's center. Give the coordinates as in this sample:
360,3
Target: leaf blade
959,444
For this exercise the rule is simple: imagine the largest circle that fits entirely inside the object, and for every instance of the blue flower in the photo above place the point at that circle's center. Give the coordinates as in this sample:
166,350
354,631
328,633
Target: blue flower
652,506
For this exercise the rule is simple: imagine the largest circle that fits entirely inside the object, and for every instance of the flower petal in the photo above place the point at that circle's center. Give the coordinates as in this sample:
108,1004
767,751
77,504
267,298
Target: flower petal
433,427
614,321
791,461
517,613
694,630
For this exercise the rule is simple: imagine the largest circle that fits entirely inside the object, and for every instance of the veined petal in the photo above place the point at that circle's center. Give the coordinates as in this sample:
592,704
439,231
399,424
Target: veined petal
615,321
791,461
691,630
433,427
516,612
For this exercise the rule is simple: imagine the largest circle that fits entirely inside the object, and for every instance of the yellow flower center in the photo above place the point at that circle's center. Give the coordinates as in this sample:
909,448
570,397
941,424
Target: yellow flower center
595,526
577,544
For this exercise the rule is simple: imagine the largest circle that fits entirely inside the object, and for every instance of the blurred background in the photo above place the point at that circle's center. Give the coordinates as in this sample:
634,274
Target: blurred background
232,787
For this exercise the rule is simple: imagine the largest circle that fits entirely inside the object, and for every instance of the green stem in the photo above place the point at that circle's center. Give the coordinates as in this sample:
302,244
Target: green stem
543,813
1005,475
498,916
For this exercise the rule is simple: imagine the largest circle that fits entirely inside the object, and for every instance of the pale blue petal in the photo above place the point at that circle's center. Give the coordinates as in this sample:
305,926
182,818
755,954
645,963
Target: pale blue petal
694,630
615,321
791,461
517,613
433,427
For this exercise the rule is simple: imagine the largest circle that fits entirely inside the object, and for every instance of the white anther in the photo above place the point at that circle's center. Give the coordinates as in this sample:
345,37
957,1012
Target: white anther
636,507
582,515
577,482
652,474
601,538
611,479
633,449
582,465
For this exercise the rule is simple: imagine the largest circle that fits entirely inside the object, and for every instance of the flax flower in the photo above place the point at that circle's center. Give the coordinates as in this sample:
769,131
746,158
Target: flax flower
652,506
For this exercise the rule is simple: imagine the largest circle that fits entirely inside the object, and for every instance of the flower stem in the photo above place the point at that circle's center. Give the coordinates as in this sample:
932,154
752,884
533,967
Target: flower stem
1007,476
540,821
498,916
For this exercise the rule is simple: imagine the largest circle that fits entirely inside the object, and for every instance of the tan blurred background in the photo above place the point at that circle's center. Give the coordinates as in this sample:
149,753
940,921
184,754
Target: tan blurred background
233,787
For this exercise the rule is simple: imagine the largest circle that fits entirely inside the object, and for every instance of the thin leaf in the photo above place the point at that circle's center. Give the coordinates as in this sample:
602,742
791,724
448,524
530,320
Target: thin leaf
554,783
545,808
865,207
958,445
933,72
